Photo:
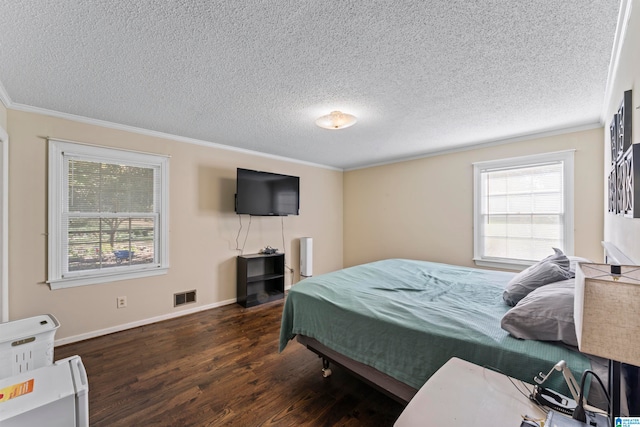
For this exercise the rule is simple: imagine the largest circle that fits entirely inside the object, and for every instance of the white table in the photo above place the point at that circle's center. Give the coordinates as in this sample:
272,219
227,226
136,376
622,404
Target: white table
461,394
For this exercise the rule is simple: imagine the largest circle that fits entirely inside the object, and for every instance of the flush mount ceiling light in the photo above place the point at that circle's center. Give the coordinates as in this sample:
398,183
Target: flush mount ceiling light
336,120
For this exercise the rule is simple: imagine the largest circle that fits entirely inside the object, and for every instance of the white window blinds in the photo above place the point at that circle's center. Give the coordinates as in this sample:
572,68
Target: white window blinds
108,214
523,208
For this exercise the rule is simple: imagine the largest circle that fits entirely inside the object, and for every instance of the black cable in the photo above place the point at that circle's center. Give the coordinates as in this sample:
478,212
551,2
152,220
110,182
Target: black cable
579,413
606,393
245,236
238,235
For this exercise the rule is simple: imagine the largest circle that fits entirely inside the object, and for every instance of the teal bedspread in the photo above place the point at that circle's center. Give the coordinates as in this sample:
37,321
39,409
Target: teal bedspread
406,318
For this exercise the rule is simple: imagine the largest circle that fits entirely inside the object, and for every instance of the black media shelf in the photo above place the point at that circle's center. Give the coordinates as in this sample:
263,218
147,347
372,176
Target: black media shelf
260,279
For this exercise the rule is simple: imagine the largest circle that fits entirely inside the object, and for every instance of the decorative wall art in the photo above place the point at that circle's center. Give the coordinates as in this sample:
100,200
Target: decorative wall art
613,194
624,172
613,133
631,175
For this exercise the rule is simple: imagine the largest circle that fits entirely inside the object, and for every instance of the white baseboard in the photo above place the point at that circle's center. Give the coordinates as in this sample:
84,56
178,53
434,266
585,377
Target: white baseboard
100,332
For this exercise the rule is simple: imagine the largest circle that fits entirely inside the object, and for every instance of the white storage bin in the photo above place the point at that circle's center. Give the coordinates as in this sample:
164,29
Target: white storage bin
52,396
26,344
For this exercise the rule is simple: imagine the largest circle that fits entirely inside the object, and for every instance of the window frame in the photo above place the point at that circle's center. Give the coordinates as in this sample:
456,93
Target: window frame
567,158
60,151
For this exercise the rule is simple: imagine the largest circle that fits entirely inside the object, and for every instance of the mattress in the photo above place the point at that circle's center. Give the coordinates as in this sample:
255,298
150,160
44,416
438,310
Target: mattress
406,318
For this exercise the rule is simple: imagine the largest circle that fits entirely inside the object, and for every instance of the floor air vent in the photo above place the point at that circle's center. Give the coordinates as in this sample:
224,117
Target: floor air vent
184,298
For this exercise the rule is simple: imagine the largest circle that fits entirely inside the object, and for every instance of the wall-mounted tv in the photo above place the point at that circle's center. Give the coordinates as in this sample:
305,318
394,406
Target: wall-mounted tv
267,194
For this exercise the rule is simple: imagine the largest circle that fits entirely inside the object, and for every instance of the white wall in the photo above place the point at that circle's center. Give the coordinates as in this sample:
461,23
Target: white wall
624,232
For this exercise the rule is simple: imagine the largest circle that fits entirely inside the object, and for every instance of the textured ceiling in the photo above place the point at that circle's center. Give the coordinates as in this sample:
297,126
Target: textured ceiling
421,76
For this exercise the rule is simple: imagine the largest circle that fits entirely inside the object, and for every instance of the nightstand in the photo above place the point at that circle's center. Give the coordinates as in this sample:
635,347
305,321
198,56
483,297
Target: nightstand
461,394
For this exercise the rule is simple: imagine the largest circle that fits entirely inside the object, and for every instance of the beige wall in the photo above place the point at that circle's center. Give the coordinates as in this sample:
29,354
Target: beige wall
203,227
423,209
624,232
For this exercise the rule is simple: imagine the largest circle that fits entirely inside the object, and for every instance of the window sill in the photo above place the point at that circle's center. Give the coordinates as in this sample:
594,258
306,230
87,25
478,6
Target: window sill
503,264
71,282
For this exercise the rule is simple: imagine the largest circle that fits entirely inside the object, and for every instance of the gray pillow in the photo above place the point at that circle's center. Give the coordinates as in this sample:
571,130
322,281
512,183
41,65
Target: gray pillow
558,257
546,314
551,269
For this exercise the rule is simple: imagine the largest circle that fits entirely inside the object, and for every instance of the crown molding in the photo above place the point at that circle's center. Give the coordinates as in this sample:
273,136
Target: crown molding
624,15
485,144
157,134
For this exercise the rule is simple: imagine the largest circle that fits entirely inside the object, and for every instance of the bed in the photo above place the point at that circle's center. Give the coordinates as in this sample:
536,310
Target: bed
395,322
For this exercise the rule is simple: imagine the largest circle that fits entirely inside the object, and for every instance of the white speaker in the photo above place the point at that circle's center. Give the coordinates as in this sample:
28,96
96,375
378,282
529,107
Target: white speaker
306,257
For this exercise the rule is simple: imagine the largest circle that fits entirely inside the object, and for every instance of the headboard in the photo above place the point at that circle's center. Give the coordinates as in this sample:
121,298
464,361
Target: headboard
613,255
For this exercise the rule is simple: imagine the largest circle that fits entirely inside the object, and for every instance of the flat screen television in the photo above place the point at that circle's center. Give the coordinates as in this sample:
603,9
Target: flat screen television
267,194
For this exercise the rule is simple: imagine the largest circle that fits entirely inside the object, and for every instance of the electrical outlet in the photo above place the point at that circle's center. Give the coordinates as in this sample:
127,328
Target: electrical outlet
122,302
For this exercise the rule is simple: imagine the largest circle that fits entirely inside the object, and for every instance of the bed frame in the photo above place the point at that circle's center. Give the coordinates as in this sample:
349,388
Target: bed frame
388,385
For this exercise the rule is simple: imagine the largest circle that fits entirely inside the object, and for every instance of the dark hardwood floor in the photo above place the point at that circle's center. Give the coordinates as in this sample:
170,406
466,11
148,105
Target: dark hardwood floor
220,367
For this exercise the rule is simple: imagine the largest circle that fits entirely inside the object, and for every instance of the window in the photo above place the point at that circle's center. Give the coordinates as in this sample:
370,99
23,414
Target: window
108,214
523,207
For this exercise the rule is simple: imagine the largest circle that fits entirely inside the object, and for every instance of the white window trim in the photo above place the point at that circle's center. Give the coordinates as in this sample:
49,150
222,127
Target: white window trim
567,157
58,148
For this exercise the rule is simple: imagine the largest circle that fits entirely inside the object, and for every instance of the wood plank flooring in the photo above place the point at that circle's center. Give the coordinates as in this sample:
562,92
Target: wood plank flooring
220,367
